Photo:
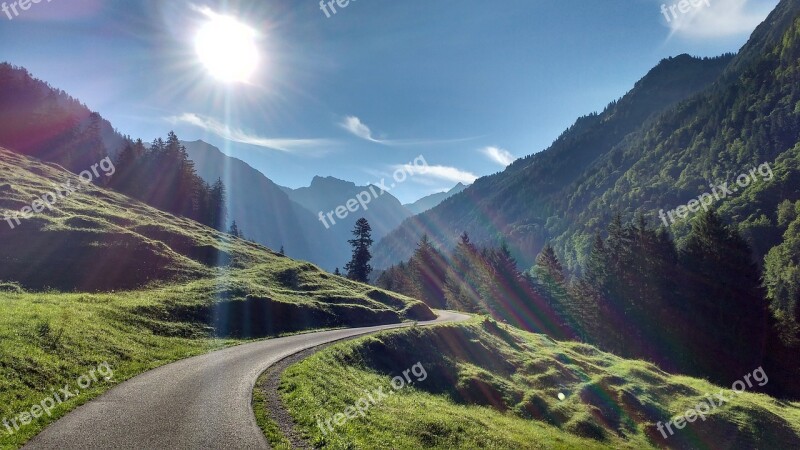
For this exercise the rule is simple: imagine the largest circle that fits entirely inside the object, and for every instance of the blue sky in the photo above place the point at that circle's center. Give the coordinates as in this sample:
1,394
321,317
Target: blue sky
467,84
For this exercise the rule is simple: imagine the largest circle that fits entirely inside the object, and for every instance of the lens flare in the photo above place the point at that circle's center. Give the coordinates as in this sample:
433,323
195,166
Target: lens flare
227,48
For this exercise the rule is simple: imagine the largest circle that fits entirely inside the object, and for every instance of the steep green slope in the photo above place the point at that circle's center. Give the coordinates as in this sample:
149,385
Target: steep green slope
520,204
736,145
145,288
484,385
766,36
97,240
621,162
737,125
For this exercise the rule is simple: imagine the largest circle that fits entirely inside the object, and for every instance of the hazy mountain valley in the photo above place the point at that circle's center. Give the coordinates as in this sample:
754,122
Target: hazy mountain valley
633,285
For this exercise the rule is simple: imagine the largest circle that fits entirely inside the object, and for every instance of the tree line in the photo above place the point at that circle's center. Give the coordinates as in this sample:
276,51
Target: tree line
164,177
45,123
698,308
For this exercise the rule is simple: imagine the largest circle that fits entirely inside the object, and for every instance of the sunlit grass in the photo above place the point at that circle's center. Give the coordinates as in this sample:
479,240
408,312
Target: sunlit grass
608,402
48,338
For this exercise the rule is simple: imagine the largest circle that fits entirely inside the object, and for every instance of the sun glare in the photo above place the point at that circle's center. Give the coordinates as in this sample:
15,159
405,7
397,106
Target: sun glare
227,48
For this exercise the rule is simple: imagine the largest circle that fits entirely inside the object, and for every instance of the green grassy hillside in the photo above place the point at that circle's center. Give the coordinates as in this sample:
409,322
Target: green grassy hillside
103,278
492,386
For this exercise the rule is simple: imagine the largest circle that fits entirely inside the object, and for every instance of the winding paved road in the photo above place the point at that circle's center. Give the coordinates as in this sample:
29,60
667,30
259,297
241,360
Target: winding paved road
202,402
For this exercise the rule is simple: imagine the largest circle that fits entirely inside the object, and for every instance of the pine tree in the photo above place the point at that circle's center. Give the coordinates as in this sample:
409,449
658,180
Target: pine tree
234,230
549,280
218,214
548,270
598,314
337,272
183,183
510,295
358,269
429,271
462,279
399,279
597,265
203,203
91,148
282,251
725,303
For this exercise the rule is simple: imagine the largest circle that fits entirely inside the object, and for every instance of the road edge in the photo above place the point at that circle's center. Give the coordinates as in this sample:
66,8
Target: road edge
269,381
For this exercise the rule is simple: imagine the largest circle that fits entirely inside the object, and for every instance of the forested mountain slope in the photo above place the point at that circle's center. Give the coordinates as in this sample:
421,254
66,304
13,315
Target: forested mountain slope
41,121
521,204
739,124
641,247
638,158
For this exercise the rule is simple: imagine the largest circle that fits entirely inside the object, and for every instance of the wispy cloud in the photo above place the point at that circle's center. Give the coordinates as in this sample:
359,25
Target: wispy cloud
438,173
498,155
715,18
238,135
356,127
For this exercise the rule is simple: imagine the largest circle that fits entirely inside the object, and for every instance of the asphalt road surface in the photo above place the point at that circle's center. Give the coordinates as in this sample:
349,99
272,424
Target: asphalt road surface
202,402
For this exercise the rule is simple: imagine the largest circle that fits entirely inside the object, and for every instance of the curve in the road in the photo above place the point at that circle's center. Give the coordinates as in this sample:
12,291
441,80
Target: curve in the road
202,402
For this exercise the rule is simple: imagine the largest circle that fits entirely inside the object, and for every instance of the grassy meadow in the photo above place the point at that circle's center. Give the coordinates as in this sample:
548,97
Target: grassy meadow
492,386
103,278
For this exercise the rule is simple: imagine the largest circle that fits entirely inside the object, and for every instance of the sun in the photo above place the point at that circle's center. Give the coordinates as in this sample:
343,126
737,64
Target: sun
227,48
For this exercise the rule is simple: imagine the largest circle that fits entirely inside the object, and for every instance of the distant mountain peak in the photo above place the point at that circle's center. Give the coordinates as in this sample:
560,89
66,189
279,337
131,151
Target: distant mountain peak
331,182
433,200
263,209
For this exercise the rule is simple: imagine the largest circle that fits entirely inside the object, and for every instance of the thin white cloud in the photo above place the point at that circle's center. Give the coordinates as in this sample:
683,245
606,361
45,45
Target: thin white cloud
430,173
498,155
356,127
714,18
238,135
